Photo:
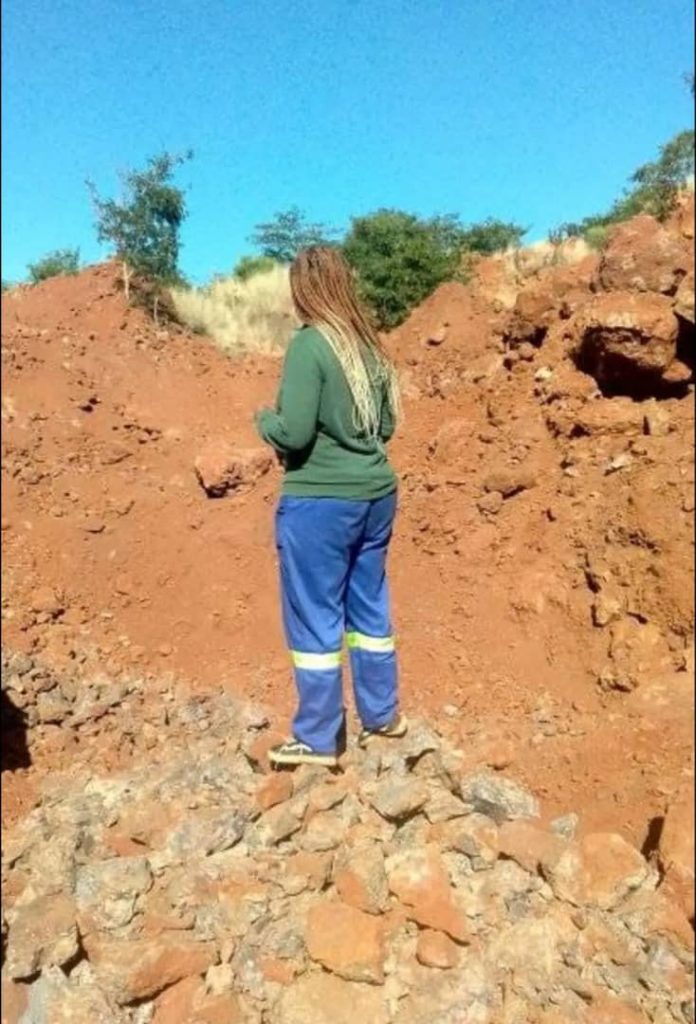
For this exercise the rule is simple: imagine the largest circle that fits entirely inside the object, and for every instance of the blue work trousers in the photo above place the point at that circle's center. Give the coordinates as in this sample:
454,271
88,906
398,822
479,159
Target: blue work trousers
333,582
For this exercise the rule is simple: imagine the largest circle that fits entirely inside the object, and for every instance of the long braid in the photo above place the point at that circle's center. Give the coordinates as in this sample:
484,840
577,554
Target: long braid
325,297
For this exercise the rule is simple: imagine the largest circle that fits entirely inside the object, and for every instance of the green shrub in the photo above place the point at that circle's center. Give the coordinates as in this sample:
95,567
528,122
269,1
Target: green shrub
399,260
491,235
248,266
58,263
597,235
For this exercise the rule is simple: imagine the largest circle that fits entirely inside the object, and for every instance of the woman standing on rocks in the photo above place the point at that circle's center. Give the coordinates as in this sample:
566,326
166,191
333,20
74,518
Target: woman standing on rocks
337,407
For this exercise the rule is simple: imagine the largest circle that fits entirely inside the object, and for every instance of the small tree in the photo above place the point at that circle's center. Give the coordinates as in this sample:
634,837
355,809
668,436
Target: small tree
400,259
58,263
282,238
657,183
144,227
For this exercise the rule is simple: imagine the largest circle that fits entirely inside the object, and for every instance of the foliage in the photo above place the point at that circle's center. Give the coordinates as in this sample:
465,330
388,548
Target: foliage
400,258
282,238
248,266
144,227
54,264
654,190
492,235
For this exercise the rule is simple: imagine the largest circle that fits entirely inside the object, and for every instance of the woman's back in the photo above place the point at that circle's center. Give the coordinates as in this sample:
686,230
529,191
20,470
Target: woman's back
325,453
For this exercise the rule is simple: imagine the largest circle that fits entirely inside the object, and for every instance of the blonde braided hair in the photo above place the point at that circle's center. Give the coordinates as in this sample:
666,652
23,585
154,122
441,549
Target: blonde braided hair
324,296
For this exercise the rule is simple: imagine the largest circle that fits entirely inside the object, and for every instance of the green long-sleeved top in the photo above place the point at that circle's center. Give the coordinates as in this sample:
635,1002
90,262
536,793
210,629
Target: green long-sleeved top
312,428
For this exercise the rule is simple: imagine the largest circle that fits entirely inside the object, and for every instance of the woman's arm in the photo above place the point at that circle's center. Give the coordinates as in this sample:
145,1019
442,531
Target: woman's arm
293,426
387,423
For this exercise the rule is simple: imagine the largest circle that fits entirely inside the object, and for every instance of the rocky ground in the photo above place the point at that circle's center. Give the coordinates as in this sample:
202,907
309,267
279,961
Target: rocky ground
529,860
192,887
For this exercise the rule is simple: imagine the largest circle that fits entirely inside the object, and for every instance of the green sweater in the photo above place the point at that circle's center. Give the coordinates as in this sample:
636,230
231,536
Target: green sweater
312,428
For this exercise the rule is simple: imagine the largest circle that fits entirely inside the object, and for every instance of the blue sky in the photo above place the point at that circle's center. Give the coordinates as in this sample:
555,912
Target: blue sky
533,111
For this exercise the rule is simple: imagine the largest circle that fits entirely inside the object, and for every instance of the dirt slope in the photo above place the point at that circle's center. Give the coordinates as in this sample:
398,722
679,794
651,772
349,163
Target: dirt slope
542,569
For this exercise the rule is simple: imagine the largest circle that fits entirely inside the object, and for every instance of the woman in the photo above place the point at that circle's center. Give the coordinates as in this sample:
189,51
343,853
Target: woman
337,406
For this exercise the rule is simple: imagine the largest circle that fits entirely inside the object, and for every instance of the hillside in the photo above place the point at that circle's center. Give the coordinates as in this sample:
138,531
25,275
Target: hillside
542,571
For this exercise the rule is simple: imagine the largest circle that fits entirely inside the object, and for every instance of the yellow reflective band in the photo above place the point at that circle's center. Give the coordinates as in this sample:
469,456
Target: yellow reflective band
376,644
315,662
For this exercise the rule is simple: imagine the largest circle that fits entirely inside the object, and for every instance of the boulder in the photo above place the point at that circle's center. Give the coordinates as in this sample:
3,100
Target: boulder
221,468
42,934
684,298
676,850
360,877
346,941
599,871
643,256
556,292
626,341
499,798
322,998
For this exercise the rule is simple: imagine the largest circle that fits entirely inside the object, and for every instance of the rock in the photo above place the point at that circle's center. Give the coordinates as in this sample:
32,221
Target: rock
490,504
657,421
565,826
510,481
346,941
499,798
477,837
607,606
528,846
626,341
43,934
276,825
325,796
136,969
322,832
557,291
13,999
600,870
106,891
46,600
444,806
360,877
676,850
303,871
181,1002
435,949
684,298
465,995
397,800
643,256
221,467
207,833
55,999
275,789
319,998
419,880
436,338
219,979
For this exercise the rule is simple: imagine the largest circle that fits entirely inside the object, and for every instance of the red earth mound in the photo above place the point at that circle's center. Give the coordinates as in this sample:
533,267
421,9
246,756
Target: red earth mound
543,563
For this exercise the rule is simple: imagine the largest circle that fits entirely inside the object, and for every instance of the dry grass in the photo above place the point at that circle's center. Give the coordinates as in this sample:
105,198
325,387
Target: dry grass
255,315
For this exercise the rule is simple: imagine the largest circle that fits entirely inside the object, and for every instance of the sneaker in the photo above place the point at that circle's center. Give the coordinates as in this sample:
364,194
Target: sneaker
394,730
294,752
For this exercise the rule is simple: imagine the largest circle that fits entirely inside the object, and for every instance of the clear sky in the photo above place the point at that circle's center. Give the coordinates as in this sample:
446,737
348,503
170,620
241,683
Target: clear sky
532,110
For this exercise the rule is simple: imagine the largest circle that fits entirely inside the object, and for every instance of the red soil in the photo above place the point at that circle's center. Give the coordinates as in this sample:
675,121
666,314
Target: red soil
104,417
